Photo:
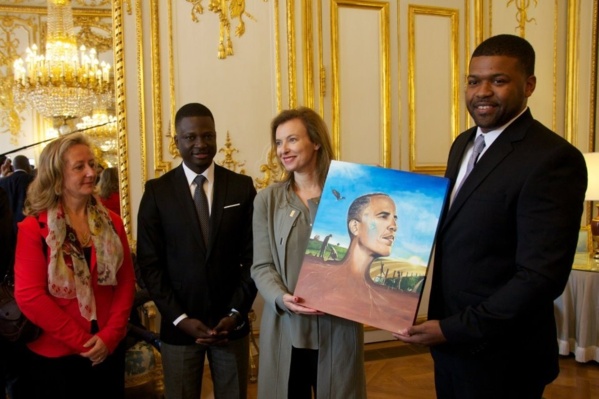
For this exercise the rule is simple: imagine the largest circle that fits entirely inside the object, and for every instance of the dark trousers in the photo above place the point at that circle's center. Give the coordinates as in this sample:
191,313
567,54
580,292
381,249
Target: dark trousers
74,377
12,366
303,373
498,376
183,367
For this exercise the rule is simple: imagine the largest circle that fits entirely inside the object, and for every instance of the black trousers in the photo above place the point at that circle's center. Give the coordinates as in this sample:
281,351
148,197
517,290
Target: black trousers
73,377
303,373
500,375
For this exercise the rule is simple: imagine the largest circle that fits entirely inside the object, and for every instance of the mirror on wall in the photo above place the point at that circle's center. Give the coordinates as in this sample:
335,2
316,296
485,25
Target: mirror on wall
33,109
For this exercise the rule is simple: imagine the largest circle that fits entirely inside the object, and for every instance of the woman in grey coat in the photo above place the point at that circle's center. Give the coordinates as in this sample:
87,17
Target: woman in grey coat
303,352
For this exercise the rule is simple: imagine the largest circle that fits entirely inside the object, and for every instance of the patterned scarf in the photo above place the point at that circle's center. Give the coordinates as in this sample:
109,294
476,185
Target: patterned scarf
68,273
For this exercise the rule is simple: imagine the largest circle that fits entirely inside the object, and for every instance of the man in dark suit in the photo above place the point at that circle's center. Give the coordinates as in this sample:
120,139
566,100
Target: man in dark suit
15,185
506,241
200,282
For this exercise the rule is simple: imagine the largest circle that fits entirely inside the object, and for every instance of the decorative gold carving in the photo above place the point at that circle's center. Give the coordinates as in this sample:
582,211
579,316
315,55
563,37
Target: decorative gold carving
141,110
271,171
226,11
121,115
522,13
92,39
229,162
10,119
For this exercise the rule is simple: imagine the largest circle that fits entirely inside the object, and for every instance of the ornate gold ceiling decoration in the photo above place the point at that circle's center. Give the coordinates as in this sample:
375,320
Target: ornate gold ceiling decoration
522,13
226,10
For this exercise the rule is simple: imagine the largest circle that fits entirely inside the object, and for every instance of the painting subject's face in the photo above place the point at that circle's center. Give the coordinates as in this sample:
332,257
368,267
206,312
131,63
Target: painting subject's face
79,171
196,141
376,230
497,90
294,147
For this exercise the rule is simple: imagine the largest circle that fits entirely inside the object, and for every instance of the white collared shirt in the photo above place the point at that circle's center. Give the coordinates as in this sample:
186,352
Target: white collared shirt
490,138
208,186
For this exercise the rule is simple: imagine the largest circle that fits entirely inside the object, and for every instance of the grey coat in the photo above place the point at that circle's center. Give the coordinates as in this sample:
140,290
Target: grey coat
282,226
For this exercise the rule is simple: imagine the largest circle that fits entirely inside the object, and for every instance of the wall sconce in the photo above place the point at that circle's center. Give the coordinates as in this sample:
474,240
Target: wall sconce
592,194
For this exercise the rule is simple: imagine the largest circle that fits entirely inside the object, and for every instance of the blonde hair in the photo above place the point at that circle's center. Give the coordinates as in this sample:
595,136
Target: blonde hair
317,132
45,191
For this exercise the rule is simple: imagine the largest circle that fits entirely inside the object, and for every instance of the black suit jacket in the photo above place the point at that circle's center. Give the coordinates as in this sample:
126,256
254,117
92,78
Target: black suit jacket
7,235
16,185
181,274
506,245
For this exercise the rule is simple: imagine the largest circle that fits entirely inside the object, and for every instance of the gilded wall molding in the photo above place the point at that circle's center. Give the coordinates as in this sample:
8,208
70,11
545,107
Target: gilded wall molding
322,83
141,104
554,100
121,115
277,49
172,146
291,79
270,168
385,62
93,3
308,64
594,76
452,14
160,166
572,81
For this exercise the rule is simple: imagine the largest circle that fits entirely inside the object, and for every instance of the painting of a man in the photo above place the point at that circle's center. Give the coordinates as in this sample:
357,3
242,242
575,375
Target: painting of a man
370,283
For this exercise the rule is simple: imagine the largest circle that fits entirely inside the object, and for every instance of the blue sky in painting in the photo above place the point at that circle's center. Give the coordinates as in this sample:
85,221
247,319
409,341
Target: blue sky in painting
418,198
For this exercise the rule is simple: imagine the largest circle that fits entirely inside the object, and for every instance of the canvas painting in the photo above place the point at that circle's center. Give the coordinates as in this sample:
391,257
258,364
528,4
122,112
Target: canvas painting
370,245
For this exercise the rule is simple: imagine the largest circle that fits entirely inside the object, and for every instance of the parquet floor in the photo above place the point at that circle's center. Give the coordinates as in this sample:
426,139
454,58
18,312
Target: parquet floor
394,369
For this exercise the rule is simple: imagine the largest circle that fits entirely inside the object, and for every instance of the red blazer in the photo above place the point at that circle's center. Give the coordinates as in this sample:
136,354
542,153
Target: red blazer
64,330
113,202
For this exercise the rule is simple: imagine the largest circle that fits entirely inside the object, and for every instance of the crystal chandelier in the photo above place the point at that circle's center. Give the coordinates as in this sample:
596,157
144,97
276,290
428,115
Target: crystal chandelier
66,82
100,129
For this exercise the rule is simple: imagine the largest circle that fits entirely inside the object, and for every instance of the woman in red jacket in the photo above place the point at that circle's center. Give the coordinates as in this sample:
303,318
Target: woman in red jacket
108,190
73,278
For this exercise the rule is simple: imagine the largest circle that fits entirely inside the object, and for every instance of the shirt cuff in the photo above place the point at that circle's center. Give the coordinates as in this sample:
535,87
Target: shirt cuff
178,319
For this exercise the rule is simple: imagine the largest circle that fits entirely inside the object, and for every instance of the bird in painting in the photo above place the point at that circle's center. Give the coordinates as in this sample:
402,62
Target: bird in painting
337,195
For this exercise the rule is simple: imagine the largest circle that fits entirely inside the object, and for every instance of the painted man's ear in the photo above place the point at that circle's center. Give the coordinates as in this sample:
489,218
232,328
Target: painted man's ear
353,226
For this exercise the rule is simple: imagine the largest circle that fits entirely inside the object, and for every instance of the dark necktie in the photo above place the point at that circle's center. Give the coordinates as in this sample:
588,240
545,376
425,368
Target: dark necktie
479,146
201,202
